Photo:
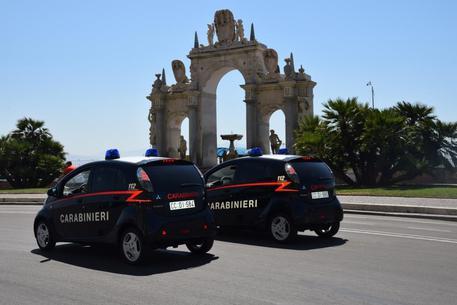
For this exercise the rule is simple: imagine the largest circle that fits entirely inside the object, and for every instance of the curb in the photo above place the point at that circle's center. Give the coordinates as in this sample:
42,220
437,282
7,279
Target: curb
408,215
406,209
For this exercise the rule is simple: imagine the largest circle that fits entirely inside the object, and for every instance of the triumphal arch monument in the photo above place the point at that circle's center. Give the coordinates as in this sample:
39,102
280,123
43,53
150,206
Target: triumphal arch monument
266,90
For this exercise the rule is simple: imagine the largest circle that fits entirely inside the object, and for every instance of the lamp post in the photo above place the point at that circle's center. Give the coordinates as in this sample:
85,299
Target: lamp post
372,93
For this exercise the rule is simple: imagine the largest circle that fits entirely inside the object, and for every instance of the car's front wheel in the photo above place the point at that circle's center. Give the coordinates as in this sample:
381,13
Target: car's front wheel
131,246
44,236
329,230
282,228
200,247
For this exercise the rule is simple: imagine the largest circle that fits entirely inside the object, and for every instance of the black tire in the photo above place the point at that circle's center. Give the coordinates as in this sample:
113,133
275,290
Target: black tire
201,248
44,235
328,231
281,228
131,246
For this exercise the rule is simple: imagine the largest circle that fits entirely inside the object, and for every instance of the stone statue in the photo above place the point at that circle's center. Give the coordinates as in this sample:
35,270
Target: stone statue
157,84
270,58
301,73
275,142
240,31
225,26
210,34
288,69
182,148
152,129
179,71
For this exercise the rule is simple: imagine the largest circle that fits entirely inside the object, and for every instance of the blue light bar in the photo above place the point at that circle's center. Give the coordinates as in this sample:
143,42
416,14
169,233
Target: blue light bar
255,151
283,151
151,152
112,154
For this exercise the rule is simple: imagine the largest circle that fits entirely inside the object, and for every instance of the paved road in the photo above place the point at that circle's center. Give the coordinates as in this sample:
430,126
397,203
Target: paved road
373,260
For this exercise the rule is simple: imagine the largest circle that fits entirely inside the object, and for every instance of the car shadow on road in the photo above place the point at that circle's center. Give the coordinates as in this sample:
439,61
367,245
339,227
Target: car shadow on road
106,258
257,238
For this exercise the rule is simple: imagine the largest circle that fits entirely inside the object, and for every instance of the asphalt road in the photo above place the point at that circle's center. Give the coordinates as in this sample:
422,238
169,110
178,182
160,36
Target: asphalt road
372,260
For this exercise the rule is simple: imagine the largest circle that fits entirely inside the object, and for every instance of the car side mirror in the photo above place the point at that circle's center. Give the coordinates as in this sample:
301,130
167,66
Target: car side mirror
52,192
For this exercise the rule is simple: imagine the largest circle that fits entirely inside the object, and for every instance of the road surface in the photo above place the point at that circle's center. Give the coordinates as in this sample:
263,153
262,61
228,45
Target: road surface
372,260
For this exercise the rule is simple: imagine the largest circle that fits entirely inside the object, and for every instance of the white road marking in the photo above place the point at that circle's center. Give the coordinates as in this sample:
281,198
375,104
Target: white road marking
403,219
428,229
402,235
358,223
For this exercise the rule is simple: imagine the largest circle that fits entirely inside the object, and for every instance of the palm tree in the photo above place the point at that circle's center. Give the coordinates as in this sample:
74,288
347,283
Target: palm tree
28,128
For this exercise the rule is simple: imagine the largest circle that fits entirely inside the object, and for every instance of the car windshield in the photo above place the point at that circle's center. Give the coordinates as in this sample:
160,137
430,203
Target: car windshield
174,176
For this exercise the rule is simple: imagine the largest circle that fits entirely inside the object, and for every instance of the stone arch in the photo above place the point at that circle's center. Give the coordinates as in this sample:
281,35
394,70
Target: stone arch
266,90
215,75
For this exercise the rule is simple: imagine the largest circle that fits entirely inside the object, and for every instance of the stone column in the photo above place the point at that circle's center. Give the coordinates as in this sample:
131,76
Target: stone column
251,116
173,133
157,107
192,103
291,113
263,132
206,157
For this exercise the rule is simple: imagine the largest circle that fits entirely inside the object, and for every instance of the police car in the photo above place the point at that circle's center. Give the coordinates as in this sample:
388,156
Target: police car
280,193
131,202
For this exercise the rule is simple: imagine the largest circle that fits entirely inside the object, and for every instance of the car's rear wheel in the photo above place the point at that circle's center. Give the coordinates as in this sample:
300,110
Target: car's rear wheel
282,228
132,246
329,230
44,236
200,247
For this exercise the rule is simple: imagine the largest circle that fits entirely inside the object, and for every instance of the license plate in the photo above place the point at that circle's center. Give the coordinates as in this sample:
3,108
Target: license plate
179,205
319,195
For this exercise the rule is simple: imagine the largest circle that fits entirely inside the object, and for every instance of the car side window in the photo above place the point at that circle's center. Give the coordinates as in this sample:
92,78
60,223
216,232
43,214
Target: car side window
222,176
106,179
255,171
77,184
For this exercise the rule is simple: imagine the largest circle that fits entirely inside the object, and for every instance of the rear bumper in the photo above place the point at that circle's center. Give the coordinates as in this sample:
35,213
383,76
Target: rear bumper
318,215
173,231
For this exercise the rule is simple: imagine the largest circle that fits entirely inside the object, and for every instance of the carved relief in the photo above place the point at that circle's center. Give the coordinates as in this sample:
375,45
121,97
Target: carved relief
152,118
225,26
271,60
179,71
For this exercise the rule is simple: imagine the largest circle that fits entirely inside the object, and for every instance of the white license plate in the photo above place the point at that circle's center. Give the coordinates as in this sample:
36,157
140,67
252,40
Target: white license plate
179,205
319,195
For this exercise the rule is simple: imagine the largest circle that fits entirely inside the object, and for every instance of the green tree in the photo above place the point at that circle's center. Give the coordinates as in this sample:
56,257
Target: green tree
380,147
29,157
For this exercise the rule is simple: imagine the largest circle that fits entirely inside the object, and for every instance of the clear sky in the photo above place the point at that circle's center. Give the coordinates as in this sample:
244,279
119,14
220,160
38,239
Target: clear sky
85,67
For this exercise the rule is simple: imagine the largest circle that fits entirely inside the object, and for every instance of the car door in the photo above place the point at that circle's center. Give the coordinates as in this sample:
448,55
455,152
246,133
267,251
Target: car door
220,193
256,185
68,209
106,201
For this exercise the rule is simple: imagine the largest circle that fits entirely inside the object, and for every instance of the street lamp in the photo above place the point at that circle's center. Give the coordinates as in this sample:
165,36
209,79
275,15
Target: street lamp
372,93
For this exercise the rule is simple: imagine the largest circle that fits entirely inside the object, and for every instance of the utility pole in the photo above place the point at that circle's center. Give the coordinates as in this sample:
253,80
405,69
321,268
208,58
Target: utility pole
372,93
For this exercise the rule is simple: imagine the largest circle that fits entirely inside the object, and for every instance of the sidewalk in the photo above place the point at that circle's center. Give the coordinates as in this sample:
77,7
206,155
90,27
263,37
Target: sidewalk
417,207
414,207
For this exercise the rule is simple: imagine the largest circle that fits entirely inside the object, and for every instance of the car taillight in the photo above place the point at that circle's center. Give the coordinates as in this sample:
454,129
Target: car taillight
144,180
291,173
